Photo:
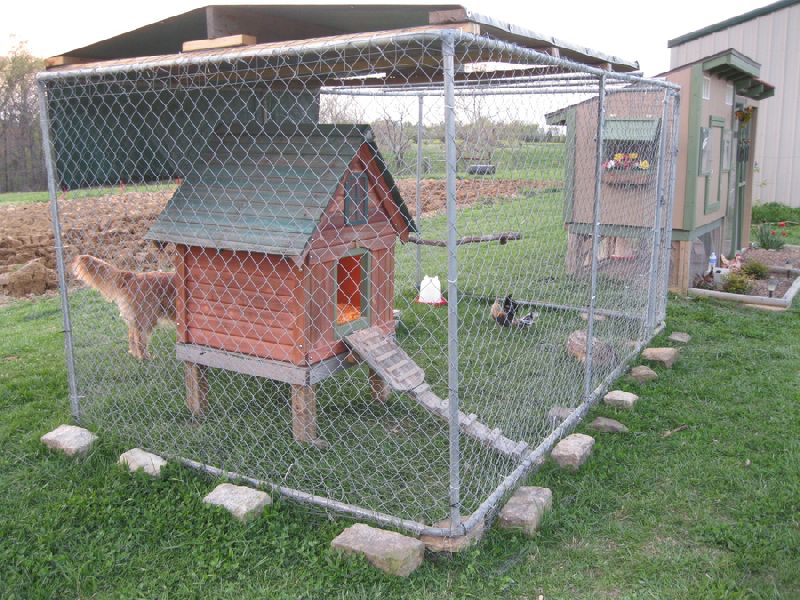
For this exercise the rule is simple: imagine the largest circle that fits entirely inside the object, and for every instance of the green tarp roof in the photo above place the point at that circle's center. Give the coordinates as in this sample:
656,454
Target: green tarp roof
638,130
265,191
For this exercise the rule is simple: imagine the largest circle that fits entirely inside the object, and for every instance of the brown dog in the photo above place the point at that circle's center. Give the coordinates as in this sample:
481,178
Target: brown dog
142,298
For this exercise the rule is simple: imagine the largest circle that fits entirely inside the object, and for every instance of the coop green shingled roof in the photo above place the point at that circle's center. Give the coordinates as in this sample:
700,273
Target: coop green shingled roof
266,190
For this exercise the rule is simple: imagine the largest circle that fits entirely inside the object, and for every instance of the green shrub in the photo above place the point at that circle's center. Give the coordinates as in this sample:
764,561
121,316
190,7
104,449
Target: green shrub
737,283
755,269
768,237
774,212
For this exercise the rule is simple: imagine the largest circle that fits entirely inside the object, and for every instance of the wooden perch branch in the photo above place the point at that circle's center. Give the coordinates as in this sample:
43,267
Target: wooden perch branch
470,239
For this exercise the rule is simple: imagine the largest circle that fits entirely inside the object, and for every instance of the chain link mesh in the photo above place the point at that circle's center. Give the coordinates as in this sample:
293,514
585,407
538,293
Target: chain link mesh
247,237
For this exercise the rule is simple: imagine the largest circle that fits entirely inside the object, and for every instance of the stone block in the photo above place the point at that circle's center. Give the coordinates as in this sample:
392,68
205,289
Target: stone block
664,356
643,374
525,508
620,399
680,337
608,425
573,451
391,552
453,544
69,439
242,502
136,459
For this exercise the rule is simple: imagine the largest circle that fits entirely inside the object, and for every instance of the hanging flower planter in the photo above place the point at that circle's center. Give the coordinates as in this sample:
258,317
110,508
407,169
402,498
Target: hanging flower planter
627,169
628,177
744,115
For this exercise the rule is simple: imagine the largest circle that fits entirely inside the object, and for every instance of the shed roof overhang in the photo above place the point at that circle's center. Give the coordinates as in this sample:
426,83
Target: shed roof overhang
742,71
284,23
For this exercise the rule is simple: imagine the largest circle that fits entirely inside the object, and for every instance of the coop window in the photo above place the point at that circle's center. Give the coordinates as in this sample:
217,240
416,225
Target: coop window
630,144
706,88
356,198
352,291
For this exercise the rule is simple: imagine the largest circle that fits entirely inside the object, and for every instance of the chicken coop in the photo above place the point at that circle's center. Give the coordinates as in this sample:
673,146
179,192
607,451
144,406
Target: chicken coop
713,196
310,261
274,185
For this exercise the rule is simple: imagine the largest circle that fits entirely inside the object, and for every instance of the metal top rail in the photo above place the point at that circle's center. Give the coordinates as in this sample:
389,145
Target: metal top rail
464,42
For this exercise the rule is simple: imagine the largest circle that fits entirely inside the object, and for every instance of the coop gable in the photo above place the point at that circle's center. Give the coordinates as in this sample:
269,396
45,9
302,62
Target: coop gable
267,191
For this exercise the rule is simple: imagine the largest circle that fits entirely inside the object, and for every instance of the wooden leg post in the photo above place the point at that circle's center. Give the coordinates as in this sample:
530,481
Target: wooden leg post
378,387
304,413
196,388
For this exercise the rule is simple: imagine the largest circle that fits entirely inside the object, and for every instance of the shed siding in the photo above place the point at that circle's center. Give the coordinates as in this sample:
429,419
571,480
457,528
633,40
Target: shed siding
773,41
621,204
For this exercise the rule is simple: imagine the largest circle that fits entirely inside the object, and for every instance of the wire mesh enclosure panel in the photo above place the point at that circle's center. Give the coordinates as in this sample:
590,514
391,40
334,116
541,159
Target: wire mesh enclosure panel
360,271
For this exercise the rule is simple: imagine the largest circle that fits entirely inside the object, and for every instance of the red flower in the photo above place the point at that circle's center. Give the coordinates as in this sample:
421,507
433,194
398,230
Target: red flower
784,234
773,232
782,224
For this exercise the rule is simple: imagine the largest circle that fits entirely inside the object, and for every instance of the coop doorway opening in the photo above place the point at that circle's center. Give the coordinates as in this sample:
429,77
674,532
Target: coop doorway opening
352,291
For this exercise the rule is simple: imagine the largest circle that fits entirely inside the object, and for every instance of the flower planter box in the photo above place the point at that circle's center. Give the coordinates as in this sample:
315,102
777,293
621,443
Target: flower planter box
632,177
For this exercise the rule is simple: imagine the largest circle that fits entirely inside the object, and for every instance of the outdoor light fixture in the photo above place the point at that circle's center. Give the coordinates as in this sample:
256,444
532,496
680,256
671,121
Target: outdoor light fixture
772,285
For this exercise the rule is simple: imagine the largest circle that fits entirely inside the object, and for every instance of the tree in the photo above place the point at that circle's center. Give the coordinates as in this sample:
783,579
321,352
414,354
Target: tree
395,131
21,157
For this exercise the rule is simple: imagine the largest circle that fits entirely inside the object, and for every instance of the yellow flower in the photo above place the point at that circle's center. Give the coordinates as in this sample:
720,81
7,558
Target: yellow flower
645,164
633,155
619,156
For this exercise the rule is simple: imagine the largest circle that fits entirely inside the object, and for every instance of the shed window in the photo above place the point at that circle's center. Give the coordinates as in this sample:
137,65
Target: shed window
356,198
706,88
729,94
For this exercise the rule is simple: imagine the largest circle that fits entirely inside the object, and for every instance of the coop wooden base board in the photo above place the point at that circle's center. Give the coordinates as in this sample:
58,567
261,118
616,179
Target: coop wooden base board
261,367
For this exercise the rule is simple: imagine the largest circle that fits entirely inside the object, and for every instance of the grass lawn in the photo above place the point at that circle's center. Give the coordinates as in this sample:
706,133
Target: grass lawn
709,512
33,197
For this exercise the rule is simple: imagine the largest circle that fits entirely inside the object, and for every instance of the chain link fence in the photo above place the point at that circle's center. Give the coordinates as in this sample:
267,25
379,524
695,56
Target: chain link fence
359,272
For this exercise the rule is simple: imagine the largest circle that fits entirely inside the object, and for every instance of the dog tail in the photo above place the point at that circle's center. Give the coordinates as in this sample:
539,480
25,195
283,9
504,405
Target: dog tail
99,274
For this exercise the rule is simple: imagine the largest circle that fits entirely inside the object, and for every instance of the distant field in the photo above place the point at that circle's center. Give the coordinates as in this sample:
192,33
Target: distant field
33,197
538,161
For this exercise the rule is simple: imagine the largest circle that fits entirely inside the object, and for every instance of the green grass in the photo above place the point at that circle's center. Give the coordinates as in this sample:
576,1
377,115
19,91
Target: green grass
774,213
23,197
647,517
518,160
34,197
709,512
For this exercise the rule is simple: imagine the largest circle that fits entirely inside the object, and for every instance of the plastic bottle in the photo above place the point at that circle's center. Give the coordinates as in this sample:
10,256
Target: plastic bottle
712,262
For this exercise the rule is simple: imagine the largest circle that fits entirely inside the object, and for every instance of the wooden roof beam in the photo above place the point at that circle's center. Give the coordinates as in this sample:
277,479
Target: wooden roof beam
230,41
65,60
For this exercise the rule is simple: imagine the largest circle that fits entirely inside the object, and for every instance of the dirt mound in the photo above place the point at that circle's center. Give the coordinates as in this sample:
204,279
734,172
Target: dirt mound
31,278
468,191
107,226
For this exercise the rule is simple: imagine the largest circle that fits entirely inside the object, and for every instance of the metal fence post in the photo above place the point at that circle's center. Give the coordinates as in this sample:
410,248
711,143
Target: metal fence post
596,218
44,122
418,212
448,53
656,249
670,198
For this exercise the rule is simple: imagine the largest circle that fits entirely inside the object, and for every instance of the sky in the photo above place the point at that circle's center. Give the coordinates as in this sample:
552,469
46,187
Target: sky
627,29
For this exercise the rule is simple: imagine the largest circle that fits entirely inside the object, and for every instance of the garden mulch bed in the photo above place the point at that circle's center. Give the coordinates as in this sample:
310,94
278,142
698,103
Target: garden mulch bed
773,258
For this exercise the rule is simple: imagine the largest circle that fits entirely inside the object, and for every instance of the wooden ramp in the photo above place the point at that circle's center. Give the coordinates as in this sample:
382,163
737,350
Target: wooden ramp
402,374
